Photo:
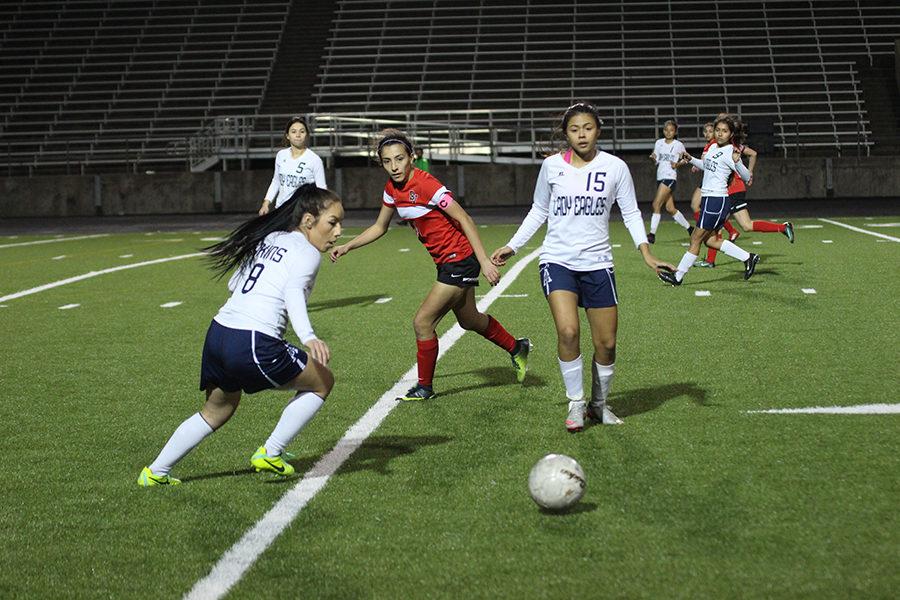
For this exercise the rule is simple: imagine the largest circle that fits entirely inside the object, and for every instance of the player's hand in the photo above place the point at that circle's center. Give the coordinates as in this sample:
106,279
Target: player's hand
264,209
686,158
694,169
337,252
490,272
749,183
501,255
656,264
319,351
653,156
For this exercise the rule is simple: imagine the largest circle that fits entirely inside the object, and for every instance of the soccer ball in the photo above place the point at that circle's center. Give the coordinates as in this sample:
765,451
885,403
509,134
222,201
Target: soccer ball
556,482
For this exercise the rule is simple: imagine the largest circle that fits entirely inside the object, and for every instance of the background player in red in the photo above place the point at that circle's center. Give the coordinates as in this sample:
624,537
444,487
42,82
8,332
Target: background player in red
451,237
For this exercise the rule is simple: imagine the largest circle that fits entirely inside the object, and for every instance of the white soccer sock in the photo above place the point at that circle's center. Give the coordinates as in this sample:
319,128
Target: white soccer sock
679,218
189,434
571,374
602,380
654,222
734,251
296,415
687,261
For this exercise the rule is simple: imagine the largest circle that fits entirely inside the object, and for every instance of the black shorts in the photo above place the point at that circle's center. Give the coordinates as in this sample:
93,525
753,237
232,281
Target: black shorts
738,201
462,273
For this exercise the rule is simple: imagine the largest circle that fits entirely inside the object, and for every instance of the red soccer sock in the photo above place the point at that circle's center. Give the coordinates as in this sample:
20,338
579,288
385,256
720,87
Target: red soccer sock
696,216
426,359
500,336
730,228
768,226
711,253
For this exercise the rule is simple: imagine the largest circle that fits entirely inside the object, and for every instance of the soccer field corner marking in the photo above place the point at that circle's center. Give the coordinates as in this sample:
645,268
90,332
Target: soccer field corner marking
238,559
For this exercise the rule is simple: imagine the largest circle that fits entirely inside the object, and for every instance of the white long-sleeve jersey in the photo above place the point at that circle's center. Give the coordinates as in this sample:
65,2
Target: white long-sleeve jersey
666,154
717,166
274,286
575,203
291,173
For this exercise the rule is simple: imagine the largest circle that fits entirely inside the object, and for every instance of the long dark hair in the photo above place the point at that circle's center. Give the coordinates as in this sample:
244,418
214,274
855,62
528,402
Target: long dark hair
287,129
738,131
241,244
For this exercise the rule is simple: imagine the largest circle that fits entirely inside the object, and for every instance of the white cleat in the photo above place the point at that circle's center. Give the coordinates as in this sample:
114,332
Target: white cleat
575,418
605,416
610,419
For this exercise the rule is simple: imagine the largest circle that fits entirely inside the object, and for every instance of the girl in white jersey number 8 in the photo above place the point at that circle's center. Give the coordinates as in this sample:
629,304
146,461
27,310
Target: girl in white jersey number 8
574,195
277,256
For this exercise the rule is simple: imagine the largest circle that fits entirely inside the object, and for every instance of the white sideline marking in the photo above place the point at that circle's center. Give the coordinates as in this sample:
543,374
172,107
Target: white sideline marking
702,293
384,300
861,409
169,305
126,255
60,257
808,290
234,563
883,225
808,226
54,284
756,243
404,249
505,295
68,306
216,239
827,241
857,229
56,239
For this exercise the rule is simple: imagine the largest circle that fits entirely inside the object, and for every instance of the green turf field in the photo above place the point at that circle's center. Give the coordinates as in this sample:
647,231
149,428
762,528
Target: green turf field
693,497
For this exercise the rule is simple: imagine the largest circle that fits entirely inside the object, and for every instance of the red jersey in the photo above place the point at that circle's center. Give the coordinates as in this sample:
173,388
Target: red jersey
419,202
736,184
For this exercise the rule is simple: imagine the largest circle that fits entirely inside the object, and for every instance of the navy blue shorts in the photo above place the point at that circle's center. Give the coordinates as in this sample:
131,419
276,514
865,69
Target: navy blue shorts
240,359
714,211
595,289
669,183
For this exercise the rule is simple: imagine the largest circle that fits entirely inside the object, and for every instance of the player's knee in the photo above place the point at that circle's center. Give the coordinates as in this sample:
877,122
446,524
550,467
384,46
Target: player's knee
325,383
422,326
605,348
568,335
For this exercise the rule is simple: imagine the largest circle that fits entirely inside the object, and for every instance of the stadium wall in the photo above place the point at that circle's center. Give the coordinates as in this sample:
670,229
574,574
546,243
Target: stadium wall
479,185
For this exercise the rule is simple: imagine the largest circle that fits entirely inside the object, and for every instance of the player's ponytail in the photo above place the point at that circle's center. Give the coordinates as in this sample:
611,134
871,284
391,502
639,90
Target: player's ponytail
241,244
733,122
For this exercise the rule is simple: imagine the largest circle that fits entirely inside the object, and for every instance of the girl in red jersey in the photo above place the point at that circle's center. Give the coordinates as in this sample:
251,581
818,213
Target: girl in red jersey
451,237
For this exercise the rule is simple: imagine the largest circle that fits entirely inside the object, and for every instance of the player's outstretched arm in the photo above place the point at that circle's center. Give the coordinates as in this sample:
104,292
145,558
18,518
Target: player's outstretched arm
372,233
653,262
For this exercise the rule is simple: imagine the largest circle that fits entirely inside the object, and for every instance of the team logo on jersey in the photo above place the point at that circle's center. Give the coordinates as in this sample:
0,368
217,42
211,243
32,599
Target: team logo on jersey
413,196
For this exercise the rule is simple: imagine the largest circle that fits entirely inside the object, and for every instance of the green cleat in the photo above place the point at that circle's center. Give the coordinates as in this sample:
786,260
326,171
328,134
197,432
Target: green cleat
261,461
148,479
789,231
519,358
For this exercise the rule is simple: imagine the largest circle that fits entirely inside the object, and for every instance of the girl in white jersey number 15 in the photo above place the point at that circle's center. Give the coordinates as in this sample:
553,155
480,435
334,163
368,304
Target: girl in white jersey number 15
295,165
277,258
721,159
574,195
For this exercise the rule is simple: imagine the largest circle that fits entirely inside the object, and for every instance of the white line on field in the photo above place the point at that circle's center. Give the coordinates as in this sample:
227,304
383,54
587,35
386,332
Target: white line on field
404,249
215,239
169,305
859,230
617,245
54,284
702,293
756,243
240,557
384,300
504,295
827,241
60,257
883,225
808,226
68,306
54,240
860,409
808,290
126,255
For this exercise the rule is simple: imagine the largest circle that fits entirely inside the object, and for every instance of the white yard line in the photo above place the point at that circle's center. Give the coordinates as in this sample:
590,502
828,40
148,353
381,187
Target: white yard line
240,557
860,230
54,240
861,409
49,286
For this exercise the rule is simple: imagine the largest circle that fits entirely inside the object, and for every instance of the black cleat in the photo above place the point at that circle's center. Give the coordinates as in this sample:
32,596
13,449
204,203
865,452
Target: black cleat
418,392
668,276
651,238
750,265
789,231
690,229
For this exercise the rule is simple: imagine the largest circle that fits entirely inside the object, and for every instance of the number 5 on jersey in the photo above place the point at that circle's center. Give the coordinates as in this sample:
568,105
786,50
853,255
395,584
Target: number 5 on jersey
596,179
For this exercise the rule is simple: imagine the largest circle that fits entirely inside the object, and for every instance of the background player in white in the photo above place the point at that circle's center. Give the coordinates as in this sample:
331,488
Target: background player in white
277,256
294,165
722,158
574,195
667,156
